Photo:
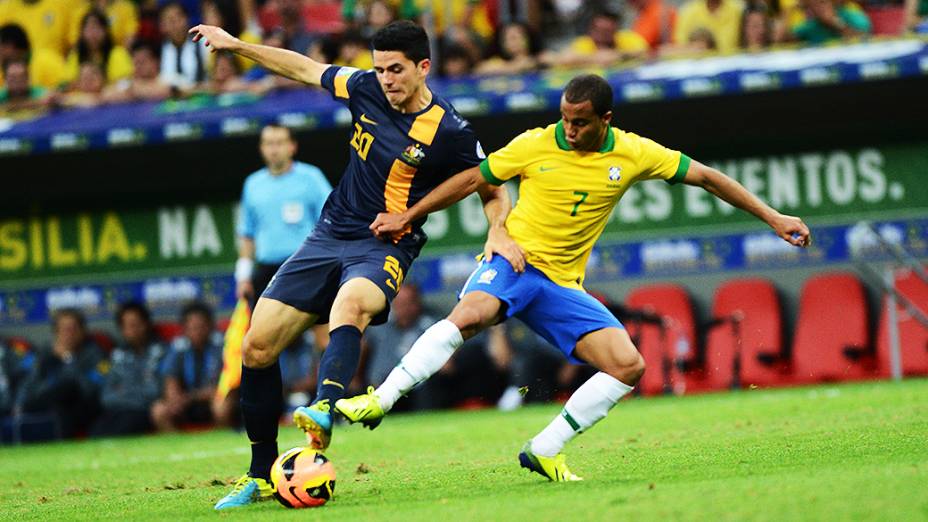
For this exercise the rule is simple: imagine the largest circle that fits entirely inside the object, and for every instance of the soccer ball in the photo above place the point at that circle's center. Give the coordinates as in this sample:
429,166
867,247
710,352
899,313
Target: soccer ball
302,477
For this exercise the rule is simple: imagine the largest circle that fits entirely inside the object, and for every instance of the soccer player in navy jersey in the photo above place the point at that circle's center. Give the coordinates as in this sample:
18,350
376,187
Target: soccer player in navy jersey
406,141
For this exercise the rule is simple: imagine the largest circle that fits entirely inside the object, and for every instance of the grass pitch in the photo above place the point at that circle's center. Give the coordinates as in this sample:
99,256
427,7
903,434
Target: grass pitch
849,452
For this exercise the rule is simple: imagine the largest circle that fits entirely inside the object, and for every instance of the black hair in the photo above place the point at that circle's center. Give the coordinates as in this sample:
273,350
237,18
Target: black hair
132,306
605,13
590,87
15,35
196,307
177,4
73,313
283,128
83,51
230,14
146,45
403,36
499,47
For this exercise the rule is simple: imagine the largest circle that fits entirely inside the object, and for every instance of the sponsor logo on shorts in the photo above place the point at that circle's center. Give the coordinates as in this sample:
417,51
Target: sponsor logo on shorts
487,277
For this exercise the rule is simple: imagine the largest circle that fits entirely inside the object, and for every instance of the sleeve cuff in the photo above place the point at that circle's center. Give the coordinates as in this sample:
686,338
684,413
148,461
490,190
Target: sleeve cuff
682,168
488,174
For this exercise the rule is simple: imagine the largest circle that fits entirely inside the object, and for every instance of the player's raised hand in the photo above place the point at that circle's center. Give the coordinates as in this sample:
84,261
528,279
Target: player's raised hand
216,38
389,225
792,230
500,242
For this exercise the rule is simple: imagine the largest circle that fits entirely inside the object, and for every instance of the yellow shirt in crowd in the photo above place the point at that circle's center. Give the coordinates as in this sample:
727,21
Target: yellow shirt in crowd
567,196
625,41
118,66
724,23
47,22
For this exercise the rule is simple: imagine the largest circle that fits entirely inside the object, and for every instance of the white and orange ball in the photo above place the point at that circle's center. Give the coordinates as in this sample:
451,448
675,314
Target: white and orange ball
303,477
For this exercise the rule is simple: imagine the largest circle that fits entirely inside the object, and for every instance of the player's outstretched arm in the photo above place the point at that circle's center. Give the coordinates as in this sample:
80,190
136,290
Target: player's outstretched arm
281,61
789,228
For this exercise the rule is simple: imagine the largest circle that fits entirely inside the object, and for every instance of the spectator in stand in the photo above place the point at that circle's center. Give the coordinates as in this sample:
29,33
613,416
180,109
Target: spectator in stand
145,84
916,16
14,366
183,62
45,66
456,62
96,45
296,37
603,45
722,18
756,28
655,21
65,379
47,22
86,91
18,94
828,20
133,382
226,14
191,371
468,375
123,16
297,368
354,51
378,15
516,51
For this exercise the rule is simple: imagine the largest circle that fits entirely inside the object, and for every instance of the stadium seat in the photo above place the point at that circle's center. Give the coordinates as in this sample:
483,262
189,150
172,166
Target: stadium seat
913,337
103,340
832,341
666,353
755,305
887,19
168,331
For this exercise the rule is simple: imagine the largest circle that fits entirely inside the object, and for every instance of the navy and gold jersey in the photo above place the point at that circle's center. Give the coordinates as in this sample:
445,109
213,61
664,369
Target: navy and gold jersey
396,158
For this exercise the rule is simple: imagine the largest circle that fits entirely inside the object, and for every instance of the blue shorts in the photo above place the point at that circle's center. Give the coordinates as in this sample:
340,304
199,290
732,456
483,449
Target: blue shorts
561,315
311,277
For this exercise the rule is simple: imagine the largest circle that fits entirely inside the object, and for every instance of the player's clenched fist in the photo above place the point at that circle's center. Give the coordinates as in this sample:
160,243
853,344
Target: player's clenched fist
792,229
216,38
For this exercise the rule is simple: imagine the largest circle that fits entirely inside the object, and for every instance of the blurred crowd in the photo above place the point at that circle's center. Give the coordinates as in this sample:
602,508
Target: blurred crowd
150,376
80,53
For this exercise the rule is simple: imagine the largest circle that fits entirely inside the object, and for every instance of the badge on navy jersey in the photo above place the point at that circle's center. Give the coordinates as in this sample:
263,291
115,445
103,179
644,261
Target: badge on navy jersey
414,155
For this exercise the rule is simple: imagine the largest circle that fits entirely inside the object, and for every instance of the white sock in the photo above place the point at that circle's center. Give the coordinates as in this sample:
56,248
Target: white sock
587,406
428,354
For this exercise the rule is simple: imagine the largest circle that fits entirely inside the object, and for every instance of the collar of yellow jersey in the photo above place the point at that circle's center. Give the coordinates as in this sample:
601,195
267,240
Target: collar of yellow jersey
561,139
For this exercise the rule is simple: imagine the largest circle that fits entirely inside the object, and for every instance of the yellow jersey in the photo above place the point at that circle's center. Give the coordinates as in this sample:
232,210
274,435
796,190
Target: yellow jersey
566,196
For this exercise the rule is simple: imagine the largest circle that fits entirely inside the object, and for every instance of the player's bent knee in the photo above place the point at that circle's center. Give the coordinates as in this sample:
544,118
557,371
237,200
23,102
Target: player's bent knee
628,370
257,352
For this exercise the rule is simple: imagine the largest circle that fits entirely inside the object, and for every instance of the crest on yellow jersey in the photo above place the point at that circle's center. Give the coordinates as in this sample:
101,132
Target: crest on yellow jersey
615,173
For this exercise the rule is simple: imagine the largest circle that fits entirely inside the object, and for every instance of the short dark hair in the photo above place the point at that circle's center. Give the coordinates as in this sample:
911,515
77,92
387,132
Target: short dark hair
132,306
175,3
590,87
146,45
605,13
403,36
73,313
15,35
198,308
280,127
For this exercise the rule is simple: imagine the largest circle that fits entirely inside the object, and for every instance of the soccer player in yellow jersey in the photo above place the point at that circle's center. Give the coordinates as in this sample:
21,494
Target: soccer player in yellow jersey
572,175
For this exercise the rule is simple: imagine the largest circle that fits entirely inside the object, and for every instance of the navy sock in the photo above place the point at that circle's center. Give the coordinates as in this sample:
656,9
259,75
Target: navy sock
339,363
262,402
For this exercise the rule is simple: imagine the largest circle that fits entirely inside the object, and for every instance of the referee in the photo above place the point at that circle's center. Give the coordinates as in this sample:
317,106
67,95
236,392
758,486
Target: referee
280,206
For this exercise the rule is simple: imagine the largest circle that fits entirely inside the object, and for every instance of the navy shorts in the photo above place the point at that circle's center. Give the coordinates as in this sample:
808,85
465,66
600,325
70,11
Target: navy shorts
561,315
311,277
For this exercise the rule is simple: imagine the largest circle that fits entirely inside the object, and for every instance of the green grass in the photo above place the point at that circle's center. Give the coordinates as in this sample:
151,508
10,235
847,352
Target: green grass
849,452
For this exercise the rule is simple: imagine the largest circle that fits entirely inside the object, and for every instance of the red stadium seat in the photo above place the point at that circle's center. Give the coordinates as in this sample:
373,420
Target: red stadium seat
760,361
103,340
168,331
832,341
913,337
887,19
660,352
